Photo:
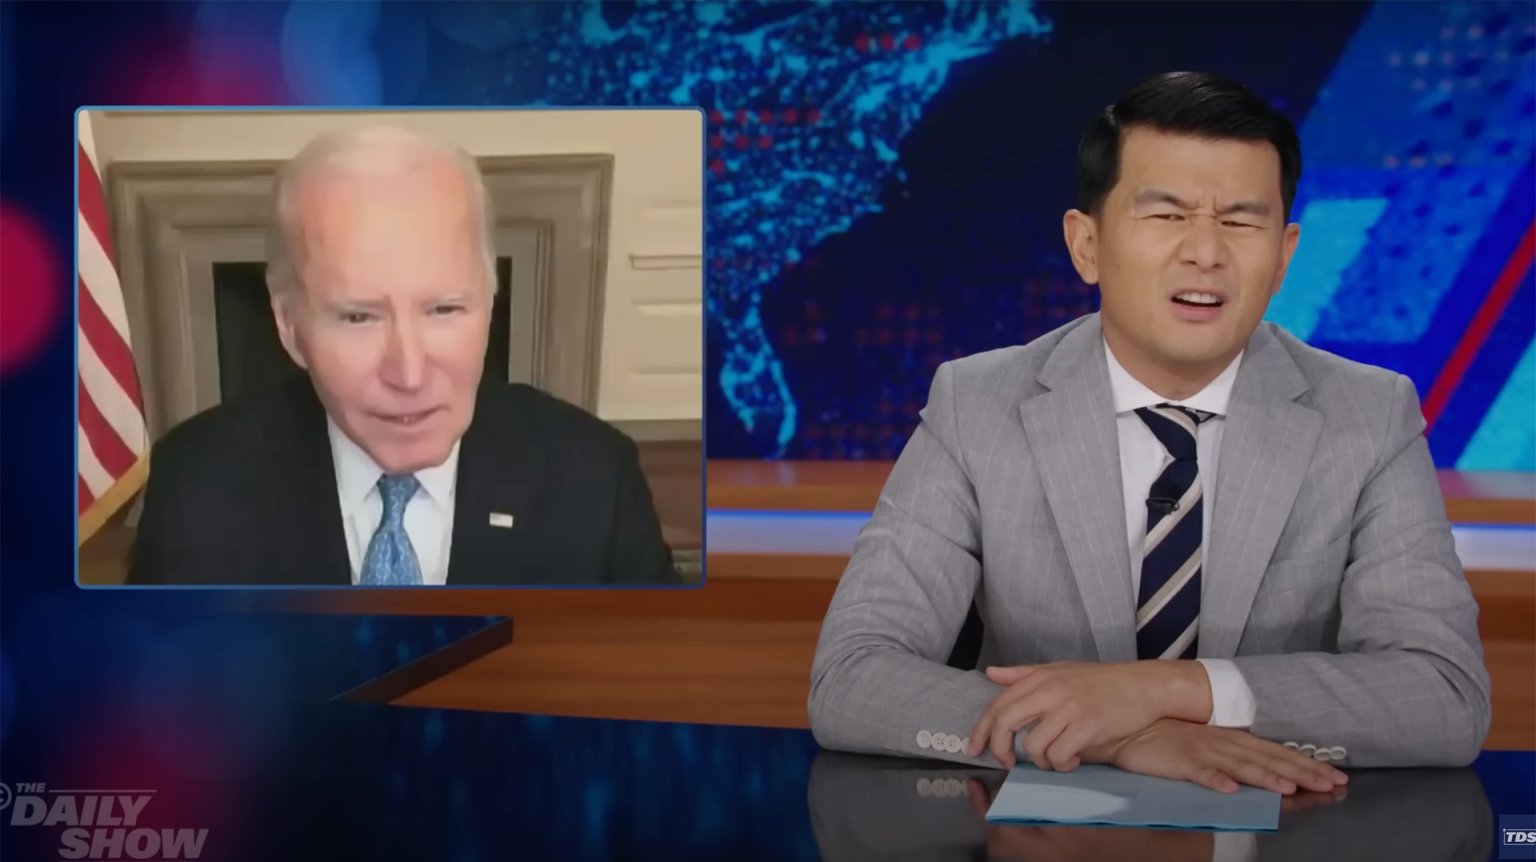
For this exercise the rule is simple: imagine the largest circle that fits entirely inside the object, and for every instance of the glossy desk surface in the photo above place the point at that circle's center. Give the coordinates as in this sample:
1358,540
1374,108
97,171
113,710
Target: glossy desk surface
386,782
488,786
867,808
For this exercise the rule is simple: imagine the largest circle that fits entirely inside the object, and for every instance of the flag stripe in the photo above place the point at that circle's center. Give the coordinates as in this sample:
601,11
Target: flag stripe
97,479
99,276
84,491
112,352
111,438
93,204
113,456
87,138
111,403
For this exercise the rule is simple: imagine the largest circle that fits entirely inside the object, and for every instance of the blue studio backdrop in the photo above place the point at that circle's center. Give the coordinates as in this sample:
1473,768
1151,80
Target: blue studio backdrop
884,192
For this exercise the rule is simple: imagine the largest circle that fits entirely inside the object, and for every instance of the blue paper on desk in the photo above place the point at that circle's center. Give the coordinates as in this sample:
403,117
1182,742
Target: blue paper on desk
1107,795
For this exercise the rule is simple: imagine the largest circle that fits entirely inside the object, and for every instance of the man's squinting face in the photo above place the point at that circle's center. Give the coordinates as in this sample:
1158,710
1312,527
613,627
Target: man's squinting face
1187,249
391,312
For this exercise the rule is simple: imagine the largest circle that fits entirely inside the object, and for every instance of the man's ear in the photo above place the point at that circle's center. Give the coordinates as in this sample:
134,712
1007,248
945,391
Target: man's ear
283,312
1082,235
1287,249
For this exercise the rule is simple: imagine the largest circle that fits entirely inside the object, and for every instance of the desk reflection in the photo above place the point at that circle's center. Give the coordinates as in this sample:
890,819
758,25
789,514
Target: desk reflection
883,808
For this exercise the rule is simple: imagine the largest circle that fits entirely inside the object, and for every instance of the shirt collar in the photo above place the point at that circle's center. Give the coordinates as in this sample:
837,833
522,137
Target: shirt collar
1131,394
357,473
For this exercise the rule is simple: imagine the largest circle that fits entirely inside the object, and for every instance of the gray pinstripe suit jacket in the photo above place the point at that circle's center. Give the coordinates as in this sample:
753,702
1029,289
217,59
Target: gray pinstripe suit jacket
1331,576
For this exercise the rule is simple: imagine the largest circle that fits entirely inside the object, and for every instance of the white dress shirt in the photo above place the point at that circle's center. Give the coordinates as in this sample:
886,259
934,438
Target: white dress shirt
428,514
1142,459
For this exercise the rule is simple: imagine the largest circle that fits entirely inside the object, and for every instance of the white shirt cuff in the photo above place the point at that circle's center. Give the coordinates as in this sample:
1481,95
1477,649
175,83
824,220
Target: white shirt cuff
1231,700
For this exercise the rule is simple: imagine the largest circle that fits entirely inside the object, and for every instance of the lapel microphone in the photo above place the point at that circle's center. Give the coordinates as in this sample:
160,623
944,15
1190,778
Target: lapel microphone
1164,505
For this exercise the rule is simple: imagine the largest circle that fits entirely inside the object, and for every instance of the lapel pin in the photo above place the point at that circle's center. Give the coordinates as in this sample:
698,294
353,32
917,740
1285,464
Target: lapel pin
501,519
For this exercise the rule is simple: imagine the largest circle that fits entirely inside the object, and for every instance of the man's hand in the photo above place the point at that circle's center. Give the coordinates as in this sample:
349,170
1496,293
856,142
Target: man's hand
1077,705
1219,758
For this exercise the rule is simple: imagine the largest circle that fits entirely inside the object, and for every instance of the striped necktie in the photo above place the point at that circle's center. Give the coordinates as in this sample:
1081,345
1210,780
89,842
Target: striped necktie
1168,604
391,561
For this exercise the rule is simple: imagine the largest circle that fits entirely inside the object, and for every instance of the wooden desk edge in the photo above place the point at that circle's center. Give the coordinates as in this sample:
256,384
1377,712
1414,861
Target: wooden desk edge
854,486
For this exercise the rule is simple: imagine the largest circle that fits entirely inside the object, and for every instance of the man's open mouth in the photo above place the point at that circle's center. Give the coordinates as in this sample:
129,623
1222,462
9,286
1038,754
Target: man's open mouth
406,419
1198,299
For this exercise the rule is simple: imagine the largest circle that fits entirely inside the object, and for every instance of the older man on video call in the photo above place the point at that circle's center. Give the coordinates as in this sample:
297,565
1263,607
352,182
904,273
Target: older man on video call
394,463
1200,549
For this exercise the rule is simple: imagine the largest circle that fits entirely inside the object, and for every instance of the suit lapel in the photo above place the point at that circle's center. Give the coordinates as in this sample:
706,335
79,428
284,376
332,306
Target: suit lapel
495,477
1266,446
1072,438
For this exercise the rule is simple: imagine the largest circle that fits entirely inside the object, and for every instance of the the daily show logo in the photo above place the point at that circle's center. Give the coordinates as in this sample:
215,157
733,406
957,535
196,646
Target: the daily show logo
1517,836
98,824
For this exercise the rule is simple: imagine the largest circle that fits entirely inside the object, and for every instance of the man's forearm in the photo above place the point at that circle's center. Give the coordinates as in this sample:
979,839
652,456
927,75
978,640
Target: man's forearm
879,701
1182,689
1385,708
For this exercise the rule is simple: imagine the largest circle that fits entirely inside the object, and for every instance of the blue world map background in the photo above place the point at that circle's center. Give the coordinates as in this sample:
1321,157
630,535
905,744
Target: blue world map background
886,180
884,193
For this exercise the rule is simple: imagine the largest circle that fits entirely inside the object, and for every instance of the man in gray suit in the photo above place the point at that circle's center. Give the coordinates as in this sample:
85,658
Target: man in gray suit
1200,548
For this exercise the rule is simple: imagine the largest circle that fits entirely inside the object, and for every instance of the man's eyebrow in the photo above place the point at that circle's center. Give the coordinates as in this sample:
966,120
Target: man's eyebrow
1160,196
355,305
1253,208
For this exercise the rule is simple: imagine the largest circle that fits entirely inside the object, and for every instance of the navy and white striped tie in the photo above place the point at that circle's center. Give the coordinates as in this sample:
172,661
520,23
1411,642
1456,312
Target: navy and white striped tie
1168,603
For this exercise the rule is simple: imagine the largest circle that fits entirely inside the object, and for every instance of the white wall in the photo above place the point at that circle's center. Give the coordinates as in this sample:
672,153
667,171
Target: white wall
653,350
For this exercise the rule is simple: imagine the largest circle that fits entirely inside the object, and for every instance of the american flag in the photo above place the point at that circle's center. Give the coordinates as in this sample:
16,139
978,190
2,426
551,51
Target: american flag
113,443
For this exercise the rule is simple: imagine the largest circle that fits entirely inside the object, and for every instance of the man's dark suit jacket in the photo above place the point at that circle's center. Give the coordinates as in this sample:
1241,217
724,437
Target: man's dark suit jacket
245,493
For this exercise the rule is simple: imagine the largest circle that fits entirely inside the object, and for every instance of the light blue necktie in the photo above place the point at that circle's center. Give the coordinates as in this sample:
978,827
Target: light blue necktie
391,561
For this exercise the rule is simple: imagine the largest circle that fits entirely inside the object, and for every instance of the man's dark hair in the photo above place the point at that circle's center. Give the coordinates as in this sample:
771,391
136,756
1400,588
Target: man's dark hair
1188,103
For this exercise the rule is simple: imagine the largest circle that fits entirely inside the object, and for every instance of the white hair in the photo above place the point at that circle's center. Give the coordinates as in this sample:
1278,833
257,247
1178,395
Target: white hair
374,151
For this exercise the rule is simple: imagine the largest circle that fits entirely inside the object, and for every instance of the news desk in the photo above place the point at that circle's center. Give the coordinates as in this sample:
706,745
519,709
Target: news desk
672,725
669,724
387,783
595,789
